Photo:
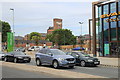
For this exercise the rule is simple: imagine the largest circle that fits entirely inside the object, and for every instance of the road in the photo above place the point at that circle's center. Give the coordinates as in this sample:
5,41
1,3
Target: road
98,71
109,72
8,72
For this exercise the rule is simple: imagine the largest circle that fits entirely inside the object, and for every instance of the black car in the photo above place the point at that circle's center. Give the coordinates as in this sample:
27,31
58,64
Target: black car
84,59
17,56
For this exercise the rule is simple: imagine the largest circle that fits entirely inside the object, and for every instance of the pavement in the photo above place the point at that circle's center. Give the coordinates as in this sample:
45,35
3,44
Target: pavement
50,71
105,61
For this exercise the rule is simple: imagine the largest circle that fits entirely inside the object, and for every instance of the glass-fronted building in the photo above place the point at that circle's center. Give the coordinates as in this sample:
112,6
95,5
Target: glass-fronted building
109,29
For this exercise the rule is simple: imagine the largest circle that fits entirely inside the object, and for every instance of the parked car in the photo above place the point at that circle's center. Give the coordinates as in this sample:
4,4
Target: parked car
54,57
17,56
35,48
2,54
20,49
84,59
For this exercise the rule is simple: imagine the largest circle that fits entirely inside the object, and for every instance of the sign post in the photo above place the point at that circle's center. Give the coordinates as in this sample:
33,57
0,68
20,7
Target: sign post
10,42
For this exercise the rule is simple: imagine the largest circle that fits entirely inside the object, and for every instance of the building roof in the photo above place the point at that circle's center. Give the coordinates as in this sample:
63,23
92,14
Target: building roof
19,38
43,34
57,18
30,41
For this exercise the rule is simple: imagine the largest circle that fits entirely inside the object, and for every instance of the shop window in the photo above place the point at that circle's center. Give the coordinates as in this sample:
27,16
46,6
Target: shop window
118,6
106,27
119,33
112,7
113,26
105,9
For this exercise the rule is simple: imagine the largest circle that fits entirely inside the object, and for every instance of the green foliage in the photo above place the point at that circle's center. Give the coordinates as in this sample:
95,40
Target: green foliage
35,36
62,37
4,27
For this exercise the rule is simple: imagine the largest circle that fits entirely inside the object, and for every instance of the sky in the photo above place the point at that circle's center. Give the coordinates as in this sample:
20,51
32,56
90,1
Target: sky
37,15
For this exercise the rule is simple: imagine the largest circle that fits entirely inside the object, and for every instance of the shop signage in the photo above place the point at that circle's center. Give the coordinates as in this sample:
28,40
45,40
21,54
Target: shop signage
10,42
106,49
112,20
110,15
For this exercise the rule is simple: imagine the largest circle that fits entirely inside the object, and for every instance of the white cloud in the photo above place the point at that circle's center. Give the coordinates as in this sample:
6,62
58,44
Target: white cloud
0,11
38,16
48,0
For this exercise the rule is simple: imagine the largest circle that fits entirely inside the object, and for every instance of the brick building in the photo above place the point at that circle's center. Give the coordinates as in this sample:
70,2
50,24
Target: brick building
57,24
23,43
26,37
43,36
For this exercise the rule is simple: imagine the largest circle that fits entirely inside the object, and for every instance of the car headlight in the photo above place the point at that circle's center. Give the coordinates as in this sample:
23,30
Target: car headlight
89,60
61,59
20,57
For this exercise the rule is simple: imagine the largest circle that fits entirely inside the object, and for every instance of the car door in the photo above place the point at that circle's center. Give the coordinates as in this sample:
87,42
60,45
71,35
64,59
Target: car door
42,55
48,57
10,56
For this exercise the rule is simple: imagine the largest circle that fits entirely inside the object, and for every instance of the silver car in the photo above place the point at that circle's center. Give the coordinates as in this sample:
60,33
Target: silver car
54,57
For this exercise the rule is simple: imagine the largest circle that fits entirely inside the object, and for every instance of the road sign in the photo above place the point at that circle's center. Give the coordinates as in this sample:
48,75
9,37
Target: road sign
10,42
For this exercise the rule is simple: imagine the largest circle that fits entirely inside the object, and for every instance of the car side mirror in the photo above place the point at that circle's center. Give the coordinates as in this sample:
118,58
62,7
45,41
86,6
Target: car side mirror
50,54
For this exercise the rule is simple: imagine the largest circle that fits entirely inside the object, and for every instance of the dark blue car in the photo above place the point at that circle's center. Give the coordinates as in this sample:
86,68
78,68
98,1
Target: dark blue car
54,57
84,59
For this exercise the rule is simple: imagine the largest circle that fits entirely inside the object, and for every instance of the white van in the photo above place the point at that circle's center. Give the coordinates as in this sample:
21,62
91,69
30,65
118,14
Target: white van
35,48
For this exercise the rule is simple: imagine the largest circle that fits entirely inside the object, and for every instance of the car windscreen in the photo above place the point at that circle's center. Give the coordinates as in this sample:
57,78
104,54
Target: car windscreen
84,54
57,52
19,53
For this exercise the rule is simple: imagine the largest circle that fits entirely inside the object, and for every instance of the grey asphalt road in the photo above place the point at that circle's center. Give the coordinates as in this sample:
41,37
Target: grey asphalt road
8,72
109,72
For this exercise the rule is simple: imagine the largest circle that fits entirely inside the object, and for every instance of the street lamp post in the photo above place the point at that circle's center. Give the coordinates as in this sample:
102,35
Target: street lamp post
13,18
13,26
81,33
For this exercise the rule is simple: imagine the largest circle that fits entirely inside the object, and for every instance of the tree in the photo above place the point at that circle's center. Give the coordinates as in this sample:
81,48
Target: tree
62,37
35,36
5,28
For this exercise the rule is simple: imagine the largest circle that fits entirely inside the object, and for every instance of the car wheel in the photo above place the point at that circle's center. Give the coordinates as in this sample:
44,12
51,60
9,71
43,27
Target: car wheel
38,62
5,59
82,63
55,64
15,60
71,66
